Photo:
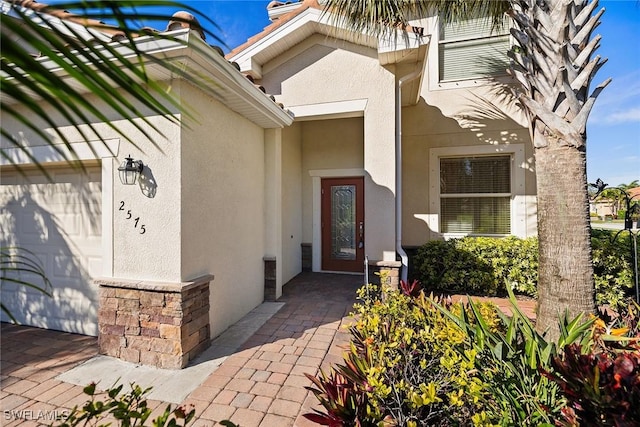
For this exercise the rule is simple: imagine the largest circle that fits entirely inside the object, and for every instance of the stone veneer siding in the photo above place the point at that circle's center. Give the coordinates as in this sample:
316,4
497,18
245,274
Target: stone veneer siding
270,276
307,256
390,269
158,324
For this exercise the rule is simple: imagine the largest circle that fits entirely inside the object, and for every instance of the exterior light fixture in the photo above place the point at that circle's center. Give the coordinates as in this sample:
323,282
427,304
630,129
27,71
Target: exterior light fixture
129,170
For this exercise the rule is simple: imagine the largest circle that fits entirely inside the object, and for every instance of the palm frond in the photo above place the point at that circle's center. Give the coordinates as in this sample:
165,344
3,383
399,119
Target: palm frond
380,17
75,56
15,263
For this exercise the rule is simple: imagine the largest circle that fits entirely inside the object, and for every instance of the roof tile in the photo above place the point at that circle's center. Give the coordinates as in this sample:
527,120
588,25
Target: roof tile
180,20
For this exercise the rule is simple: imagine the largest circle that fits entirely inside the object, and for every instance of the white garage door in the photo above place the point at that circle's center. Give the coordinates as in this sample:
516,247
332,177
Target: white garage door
60,222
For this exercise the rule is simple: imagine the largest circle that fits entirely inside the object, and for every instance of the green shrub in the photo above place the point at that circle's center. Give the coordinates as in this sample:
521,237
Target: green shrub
621,213
408,364
489,266
128,409
612,267
479,265
441,265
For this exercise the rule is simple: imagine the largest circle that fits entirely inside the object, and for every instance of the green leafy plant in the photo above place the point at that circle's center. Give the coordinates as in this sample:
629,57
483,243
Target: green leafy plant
612,268
345,394
127,409
440,265
91,64
479,265
488,266
508,359
601,380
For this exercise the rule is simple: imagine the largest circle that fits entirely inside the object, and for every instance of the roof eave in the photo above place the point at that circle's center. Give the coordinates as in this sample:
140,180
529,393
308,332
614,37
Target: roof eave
198,58
246,96
391,48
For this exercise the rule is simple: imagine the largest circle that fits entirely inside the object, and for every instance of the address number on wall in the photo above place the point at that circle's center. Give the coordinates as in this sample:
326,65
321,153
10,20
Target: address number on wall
136,221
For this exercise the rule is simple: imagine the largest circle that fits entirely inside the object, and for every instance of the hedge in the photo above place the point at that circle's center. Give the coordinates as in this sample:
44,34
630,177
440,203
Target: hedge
488,266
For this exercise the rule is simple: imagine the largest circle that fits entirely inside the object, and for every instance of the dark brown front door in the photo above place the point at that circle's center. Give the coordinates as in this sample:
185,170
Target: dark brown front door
343,224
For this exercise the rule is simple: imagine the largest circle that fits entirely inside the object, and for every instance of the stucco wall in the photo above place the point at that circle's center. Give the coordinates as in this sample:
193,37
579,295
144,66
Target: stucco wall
222,207
152,254
292,205
329,144
472,115
320,70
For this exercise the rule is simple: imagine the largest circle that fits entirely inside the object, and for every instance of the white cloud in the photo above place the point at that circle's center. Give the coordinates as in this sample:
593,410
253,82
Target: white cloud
629,116
619,101
622,89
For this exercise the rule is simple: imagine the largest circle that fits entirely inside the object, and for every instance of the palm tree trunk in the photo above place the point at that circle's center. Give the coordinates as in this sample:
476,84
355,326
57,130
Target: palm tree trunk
566,273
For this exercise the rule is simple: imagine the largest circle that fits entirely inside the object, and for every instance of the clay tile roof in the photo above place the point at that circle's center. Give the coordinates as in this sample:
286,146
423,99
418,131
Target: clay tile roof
304,5
274,4
182,20
67,16
185,20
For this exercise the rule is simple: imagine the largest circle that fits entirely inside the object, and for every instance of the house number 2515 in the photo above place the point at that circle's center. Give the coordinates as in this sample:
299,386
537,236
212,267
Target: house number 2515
129,215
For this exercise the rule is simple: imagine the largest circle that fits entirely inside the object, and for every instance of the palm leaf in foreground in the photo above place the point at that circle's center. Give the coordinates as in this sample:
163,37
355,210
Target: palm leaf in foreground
16,262
76,56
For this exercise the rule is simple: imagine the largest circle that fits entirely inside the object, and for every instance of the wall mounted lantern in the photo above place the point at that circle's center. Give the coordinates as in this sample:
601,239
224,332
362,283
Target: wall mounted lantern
129,170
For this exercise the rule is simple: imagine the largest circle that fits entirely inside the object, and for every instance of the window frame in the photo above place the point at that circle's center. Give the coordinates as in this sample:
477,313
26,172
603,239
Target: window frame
434,64
517,195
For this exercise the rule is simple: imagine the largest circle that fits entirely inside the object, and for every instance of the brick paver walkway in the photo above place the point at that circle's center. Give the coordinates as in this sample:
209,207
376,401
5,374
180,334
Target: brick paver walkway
262,384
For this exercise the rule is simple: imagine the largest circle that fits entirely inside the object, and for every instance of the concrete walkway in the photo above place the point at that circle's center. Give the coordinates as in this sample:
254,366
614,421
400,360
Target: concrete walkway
253,374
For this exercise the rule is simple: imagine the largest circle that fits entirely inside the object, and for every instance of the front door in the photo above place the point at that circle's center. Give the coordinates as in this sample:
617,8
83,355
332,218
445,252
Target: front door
343,224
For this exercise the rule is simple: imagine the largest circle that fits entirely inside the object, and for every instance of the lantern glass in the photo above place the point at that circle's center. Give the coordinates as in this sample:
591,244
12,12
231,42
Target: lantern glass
129,171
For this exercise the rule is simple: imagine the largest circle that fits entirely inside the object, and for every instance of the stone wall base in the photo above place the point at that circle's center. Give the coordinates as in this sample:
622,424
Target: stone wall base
307,256
389,270
270,277
158,324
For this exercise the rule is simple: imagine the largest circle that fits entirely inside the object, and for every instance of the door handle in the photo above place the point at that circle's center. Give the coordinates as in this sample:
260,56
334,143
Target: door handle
361,239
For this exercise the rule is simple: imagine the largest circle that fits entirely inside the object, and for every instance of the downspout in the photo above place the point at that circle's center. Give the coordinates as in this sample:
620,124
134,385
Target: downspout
404,258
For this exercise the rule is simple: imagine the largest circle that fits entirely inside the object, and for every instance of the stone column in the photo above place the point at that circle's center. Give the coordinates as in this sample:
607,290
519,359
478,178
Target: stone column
152,323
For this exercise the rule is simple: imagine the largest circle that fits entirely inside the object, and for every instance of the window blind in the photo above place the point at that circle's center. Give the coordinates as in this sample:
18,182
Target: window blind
472,48
475,195
470,175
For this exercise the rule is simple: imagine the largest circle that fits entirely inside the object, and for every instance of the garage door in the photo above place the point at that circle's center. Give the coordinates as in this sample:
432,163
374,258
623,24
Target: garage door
60,222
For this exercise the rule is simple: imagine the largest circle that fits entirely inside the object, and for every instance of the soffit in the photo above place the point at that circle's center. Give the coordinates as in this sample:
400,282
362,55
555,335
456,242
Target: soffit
196,62
193,57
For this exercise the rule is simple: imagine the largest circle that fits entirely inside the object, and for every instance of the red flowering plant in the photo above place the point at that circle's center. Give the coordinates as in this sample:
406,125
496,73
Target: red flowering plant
411,289
601,379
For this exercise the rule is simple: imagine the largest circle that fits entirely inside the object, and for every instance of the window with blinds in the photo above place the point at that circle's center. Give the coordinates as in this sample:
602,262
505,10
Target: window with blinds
475,195
472,49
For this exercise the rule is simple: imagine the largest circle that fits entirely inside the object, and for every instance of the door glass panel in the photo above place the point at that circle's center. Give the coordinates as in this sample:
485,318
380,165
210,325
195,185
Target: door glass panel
343,222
